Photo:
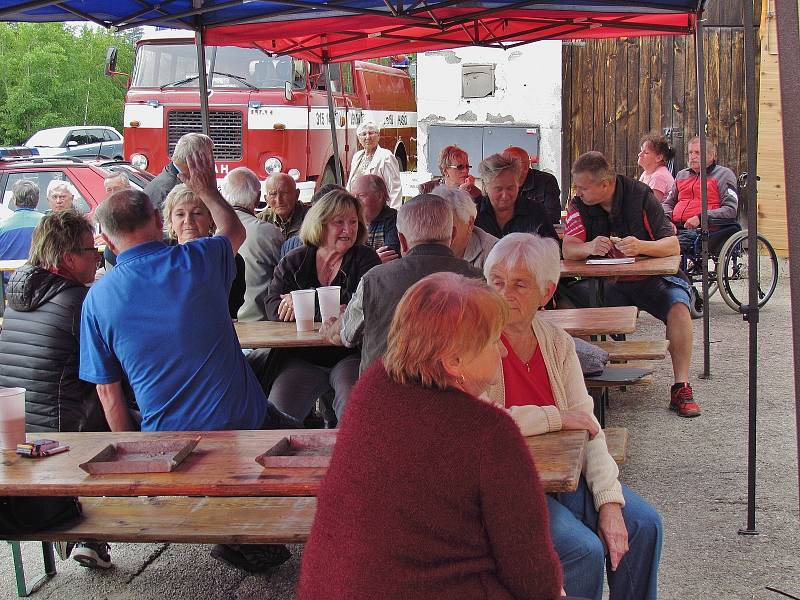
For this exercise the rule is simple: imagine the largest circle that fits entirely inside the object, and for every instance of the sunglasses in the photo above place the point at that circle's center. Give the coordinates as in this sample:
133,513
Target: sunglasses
460,167
98,254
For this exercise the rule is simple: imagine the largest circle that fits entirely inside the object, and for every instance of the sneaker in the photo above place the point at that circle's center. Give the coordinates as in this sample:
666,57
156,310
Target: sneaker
682,400
93,555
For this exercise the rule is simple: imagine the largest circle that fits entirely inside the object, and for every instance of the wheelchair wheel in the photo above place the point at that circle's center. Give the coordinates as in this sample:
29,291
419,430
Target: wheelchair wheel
733,271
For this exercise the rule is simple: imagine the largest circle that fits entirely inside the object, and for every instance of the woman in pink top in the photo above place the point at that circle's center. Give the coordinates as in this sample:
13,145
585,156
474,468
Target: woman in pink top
653,159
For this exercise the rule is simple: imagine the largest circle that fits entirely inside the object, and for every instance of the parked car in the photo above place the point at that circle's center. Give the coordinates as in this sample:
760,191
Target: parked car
87,141
85,176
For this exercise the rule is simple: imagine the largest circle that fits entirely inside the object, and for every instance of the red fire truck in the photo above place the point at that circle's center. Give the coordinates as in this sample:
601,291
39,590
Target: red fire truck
269,113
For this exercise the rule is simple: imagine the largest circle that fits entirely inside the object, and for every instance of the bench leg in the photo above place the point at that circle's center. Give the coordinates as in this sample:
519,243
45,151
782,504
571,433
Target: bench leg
23,589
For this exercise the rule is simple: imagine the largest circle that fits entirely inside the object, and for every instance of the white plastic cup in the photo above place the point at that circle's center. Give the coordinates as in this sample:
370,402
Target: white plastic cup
330,299
303,302
12,417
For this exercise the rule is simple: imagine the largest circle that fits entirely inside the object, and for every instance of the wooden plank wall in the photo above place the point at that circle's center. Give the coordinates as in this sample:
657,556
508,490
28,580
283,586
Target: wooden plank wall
771,188
614,91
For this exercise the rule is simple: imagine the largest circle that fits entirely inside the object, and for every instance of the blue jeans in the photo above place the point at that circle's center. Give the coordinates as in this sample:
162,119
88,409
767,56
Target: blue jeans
573,526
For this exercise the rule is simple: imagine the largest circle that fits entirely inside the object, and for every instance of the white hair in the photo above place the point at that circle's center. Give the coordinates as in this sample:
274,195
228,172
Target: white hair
60,184
426,219
117,175
537,254
367,125
460,201
190,144
241,187
496,164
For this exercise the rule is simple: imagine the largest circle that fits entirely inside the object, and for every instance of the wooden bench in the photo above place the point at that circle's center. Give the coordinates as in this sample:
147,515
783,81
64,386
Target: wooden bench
626,350
617,442
177,519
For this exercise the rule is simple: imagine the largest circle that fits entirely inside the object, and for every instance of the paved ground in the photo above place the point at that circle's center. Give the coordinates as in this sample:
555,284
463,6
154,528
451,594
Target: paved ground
693,471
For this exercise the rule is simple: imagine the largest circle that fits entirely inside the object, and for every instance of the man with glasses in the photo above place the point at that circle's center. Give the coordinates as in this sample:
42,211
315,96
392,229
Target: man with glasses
39,343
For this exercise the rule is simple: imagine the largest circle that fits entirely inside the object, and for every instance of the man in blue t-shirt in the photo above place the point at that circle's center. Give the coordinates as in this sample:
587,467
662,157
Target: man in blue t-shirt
176,344
17,230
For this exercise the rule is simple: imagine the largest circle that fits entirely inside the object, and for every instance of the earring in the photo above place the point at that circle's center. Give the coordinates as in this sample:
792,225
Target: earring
460,380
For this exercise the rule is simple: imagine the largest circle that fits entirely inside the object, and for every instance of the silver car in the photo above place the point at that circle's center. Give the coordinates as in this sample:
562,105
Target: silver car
86,142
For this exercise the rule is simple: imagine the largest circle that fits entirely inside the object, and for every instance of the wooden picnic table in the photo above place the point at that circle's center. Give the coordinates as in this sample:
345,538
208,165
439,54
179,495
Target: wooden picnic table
575,321
223,464
644,266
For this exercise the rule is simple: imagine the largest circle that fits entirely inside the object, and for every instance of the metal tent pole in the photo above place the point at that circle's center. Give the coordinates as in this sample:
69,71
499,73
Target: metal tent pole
202,80
701,132
788,23
750,311
332,118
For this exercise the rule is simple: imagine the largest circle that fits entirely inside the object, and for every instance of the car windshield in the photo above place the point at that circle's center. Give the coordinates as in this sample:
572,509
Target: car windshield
47,138
175,65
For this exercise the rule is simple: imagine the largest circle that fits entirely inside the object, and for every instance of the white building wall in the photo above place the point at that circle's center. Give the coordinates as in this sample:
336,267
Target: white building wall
528,90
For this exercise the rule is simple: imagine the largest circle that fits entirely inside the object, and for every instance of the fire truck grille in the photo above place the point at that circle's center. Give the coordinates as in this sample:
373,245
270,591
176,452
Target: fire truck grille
226,131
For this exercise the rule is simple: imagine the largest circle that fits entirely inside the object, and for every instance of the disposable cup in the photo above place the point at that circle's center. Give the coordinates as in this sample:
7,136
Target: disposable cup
330,299
303,302
12,417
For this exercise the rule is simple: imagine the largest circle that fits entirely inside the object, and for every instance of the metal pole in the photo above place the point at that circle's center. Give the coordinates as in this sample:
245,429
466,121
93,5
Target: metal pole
701,132
332,119
202,80
750,312
788,25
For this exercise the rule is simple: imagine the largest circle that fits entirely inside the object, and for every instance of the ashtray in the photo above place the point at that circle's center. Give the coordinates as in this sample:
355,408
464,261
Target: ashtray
311,450
154,456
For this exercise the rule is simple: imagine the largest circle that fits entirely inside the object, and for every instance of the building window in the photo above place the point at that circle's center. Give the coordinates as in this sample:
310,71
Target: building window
477,81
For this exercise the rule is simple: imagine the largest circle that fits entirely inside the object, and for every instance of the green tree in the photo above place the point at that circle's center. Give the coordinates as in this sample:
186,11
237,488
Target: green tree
52,75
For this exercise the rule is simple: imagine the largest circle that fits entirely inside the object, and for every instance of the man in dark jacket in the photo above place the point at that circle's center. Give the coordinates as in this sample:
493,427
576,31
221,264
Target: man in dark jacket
535,185
162,184
425,228
39,343
616,216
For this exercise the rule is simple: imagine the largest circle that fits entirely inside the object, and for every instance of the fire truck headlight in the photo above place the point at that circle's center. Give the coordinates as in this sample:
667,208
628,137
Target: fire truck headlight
294,174
272,165
139,161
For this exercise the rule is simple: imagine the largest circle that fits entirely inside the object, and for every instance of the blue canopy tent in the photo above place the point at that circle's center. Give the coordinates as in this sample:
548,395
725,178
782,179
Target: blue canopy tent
339,30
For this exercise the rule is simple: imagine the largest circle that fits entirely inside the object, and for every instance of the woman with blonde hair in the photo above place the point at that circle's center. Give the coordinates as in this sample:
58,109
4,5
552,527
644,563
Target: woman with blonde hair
333,253
432,493
187,218
541,386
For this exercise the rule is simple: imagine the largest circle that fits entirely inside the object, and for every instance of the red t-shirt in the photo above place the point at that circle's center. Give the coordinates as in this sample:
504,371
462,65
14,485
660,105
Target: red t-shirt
526,384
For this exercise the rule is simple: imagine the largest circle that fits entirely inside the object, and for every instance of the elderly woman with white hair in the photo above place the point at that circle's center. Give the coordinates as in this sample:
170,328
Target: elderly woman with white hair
469,242
60,195
501,210
374,160
543,390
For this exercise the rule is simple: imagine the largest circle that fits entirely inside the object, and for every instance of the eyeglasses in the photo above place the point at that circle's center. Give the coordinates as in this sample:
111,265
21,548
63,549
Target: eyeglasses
367,133
460,167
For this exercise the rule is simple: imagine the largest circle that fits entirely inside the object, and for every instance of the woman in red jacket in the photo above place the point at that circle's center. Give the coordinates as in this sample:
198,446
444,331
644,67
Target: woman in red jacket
432,493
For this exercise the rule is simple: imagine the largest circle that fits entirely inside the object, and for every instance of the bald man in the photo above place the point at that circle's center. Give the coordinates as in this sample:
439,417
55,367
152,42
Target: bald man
284,208
535,184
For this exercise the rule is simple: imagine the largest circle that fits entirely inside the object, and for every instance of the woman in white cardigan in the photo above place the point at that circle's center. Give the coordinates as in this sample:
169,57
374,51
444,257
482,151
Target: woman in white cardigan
543,389
374,160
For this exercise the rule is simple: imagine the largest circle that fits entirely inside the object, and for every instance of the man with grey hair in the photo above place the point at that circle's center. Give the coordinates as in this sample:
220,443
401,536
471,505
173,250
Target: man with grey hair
381,219
284,209
471,243
425,228
502,210
16,230
116,181
163,183
60,195
262,243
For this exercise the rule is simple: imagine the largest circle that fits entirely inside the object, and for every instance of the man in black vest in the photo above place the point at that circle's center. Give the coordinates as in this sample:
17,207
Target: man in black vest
425,229
616,216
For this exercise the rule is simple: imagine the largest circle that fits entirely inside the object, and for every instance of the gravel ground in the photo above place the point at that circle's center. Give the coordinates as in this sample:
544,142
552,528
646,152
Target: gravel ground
692,470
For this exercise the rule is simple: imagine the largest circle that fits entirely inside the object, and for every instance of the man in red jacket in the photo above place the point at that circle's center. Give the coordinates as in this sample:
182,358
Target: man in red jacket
683,204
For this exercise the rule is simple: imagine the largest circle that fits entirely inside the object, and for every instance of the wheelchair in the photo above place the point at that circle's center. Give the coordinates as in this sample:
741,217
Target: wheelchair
728,264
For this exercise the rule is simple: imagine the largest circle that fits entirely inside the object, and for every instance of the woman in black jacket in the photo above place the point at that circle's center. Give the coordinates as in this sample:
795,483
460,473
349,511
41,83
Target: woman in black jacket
333,234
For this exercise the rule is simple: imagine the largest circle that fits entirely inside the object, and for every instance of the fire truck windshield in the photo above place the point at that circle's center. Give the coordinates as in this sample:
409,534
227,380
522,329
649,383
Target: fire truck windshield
175,65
